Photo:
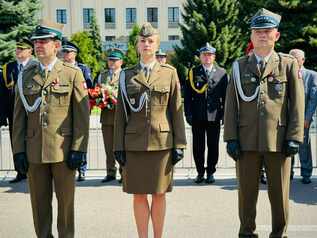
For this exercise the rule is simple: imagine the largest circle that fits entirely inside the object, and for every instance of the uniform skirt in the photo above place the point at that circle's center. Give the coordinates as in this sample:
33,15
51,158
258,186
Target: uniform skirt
148,172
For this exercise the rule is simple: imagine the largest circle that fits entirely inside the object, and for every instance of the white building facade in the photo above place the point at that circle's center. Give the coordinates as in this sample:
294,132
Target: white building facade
116,17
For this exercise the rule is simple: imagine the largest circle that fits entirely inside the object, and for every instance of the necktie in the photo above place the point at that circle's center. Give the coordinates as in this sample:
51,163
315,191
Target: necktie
146,72
261,65
20,68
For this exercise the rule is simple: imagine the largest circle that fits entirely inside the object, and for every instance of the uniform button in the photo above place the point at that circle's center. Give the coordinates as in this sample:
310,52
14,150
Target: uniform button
45,124
262,114
262,102
262,92
45,92
262,82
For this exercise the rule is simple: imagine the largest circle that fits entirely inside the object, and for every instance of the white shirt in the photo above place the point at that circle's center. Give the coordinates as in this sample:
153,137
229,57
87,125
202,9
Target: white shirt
149,66
50,66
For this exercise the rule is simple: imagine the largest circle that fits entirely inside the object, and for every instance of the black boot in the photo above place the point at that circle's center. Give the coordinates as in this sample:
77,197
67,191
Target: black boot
18,178
81,177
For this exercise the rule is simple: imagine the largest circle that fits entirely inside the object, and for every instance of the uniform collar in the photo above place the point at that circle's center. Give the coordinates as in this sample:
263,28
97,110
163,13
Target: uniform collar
266,58
24,62
209,69
50,66
150,66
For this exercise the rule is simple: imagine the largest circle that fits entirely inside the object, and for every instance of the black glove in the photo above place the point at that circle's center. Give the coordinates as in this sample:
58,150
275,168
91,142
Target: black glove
76,159
177,155
292,148
20,163
120,157
233,149
189,120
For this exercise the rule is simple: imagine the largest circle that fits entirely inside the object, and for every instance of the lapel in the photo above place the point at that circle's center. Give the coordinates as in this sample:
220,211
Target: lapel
252,65
154,75
37,76
53,75
139,76
271,64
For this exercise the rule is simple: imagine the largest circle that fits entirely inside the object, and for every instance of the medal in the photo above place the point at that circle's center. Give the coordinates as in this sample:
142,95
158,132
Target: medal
132,101
270,79
278,87
253,80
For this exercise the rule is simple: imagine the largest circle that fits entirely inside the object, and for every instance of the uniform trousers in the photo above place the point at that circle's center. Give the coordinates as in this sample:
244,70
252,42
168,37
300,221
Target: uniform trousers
305,156
277,168
107,132
41,179
200,129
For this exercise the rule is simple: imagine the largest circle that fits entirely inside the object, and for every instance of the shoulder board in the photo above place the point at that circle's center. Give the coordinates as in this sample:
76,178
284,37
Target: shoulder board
285,55
168,66
70,65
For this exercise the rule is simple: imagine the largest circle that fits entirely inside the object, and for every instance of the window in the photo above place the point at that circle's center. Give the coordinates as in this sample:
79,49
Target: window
87,15
173,37
61,16
173,17
110,15
110,18
130,17
152,16
110,38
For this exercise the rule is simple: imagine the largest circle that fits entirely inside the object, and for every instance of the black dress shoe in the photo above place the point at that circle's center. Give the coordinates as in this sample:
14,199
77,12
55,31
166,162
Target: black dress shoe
199,179
120,180
81,177
18,178
210,179
263,179
306,180
108,178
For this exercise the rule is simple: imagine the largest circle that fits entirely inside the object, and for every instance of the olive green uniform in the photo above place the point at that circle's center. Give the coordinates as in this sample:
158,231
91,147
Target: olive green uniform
149,135
59,125
262,127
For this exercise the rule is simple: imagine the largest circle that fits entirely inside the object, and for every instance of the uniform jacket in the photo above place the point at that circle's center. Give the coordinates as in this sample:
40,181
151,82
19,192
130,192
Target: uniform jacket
61,123
9,78
107,116
197,105
87,74
310,86
160,124
266,123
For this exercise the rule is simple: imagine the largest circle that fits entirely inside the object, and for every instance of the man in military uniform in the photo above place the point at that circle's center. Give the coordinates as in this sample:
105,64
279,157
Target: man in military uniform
23,54
110,78
161,56
205,92
264,122
70,51
309,78
50,130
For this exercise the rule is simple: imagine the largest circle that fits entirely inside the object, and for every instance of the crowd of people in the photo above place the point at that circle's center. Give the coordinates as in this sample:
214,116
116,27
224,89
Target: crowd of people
266,107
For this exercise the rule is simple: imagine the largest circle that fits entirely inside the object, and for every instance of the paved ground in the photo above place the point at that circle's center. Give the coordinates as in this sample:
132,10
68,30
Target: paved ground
207,211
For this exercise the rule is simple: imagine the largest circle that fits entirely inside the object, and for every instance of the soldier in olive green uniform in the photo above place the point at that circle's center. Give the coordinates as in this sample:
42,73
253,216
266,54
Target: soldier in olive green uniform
264,121
110,78
50,131
149,131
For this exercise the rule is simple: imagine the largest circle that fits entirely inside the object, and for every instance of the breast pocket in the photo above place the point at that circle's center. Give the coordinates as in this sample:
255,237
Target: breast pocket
160,95
277,87
60,96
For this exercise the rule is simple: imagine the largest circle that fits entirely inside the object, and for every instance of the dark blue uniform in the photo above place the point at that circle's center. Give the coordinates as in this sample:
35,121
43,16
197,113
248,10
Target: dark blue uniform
89,82
197,107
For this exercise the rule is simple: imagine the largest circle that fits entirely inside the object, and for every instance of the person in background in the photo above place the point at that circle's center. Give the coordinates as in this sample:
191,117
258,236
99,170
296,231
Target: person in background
309,78
161,56
205,93
110,79
149,132
69,53
10,73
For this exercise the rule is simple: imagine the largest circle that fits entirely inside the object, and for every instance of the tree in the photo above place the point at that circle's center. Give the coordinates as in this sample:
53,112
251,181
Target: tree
17,19
85,44
94,35
131,57
213,21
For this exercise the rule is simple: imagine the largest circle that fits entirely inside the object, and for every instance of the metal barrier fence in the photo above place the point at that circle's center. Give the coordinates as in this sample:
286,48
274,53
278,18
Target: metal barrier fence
97,156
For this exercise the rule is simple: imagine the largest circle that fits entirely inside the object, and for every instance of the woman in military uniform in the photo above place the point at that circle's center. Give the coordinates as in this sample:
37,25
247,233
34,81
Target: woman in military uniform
149,135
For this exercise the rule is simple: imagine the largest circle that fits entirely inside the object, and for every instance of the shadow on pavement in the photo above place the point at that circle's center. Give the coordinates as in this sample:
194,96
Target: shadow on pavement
304,193
21,187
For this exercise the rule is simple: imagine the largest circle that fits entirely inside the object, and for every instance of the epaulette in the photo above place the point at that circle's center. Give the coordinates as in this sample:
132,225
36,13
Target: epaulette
168,66
285,55
70,65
